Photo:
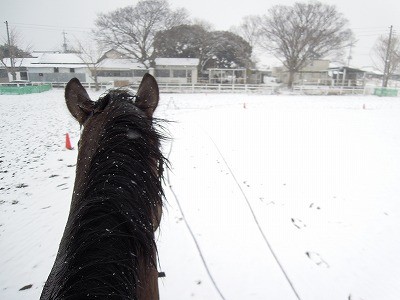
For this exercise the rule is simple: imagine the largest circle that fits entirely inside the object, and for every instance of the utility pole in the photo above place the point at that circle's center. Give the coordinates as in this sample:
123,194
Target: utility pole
351,45
387,60
349,58
65,48
10,50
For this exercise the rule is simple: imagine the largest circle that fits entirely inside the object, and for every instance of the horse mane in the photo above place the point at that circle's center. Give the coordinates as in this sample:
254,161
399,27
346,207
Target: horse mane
109,232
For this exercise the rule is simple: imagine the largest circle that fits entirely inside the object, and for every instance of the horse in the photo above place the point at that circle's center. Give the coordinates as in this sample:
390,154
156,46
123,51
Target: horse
108,248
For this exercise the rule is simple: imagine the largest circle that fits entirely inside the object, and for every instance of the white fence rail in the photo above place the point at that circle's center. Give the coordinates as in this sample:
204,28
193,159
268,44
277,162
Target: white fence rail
216,88
245,88
333,90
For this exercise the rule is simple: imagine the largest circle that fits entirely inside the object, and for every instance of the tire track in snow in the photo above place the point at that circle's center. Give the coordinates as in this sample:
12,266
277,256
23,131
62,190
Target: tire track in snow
191,231
254,216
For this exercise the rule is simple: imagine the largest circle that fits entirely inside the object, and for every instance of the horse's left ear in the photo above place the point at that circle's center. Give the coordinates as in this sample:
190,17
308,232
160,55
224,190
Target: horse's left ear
148,95
78,100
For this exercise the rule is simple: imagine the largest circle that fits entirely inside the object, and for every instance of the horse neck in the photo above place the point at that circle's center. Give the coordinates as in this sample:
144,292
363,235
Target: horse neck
109,233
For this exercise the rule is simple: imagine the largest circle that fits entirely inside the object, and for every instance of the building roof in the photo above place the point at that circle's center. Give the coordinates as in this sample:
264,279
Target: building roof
48,60
72,60
372,70
19,62
120,64
193,62
58,58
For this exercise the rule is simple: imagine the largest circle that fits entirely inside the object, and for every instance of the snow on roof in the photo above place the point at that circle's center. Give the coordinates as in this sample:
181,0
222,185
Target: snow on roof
72,60
20,62
177,62
74,66
372,70
58,58
338,65
44,60
120,64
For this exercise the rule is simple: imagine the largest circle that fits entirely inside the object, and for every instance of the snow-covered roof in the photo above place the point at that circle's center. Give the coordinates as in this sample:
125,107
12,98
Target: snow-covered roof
177,62
120,64
74,66
58,58
72,60
48,60
372,70
20,62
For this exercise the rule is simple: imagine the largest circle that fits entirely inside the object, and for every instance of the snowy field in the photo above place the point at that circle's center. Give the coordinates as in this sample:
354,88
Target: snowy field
291,197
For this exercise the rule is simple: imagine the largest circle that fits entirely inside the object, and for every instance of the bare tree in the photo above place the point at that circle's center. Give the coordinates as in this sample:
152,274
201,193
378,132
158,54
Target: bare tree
249,29
302,32
202,23
388,56
11,53
91,53
131,29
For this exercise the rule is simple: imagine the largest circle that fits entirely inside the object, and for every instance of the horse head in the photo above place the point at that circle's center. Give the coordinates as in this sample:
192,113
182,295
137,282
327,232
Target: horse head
108,246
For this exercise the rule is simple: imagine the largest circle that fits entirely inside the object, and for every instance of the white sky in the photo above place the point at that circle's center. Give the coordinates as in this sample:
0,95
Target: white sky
40,23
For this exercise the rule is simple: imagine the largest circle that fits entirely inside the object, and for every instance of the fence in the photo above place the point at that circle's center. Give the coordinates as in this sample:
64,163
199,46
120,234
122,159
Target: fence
244,88
333,90
20,89
216,88
385,92
189,88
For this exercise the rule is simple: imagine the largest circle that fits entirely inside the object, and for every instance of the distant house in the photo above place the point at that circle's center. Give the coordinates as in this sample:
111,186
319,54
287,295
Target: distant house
315,72
61,67
20,67
373,73
238,76
176,70
121,69
347,76
57,67
113,54
230,76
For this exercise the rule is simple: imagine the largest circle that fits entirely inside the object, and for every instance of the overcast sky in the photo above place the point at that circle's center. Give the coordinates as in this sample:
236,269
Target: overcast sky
41,23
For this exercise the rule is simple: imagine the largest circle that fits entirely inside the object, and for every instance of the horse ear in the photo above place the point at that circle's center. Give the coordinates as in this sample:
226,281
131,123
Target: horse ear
148,95
78,100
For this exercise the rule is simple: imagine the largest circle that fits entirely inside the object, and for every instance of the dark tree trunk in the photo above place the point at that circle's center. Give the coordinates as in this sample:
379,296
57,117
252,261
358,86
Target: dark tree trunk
291,79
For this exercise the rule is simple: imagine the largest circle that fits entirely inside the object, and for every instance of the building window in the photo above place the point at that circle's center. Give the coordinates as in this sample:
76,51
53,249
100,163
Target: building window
179,73
24,75
114,73
139,73
162,73
72,70
56,70
3,73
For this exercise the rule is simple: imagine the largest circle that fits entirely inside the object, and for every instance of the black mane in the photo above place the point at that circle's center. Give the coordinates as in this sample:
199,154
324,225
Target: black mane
111,222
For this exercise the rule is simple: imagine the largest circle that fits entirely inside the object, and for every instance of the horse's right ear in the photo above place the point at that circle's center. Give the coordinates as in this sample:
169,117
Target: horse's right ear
148,95
78,100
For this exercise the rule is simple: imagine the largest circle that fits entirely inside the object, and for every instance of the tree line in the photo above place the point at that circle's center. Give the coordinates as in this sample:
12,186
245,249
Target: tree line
294,34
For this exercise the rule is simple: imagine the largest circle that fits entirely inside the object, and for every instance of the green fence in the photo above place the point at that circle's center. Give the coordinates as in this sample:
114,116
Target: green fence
385,92
25,89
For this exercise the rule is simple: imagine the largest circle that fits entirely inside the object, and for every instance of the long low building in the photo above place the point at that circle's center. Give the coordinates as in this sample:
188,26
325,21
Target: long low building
61,67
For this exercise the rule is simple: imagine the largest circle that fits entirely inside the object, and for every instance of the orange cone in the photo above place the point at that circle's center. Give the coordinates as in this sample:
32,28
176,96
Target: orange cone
67,142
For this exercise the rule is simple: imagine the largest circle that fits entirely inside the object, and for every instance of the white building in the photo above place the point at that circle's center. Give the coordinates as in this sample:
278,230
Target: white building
61,67
176,70
57,67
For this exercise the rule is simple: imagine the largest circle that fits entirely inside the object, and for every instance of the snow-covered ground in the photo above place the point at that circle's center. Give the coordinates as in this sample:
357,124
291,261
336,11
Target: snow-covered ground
291,197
